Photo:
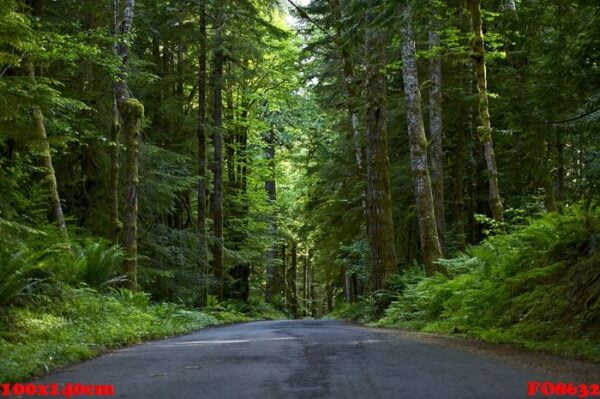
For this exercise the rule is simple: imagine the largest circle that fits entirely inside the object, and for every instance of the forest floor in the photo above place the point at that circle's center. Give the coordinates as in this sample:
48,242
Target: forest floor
320,359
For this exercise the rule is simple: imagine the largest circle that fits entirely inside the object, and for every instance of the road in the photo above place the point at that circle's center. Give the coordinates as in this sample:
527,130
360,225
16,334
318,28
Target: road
299,359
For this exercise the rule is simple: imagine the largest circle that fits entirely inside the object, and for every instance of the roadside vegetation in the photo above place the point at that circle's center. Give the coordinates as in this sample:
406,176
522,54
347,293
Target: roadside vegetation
537,287
61,304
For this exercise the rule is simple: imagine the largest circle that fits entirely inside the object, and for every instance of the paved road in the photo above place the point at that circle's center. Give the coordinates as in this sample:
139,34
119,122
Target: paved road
298,359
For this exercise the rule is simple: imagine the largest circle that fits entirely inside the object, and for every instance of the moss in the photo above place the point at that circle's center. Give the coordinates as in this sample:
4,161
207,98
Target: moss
133,108
484,133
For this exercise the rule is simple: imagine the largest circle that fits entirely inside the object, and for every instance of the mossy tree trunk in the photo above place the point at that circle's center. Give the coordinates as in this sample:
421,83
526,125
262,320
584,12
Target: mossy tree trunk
217,140
201,133
115,130
436,131
485,129
430,244
380,228
42,148
132,113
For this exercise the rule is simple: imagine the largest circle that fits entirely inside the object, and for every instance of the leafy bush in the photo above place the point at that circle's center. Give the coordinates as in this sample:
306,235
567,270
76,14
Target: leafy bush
17,269
100,264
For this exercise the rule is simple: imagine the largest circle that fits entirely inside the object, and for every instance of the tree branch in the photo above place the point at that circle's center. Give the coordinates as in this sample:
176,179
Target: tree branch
305,15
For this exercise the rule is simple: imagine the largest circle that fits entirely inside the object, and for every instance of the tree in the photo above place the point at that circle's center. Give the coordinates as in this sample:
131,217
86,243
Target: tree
379,204
43,148
428,235
436,131
217,141
132,112
485,129
201,134
115,132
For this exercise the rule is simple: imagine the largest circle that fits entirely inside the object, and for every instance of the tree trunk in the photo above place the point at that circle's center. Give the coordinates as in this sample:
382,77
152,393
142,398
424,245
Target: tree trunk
305,293
43,149
459,203
115,129
379,205
430,244
352,91
485,130
271,190
436,133
545,176
201,133
132,112
292,280
217,139
283,277
560,153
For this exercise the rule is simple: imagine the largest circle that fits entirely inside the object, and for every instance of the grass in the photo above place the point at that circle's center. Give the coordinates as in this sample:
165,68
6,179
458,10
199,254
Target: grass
80,323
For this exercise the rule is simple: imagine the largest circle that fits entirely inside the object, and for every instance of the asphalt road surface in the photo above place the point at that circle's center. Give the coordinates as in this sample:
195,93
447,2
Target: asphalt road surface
299,359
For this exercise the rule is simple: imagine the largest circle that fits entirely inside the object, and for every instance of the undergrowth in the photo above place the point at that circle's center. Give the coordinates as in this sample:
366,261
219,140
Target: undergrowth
49,331
537,287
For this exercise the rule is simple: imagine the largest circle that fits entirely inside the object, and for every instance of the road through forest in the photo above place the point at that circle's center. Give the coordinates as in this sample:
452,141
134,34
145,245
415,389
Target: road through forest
301,359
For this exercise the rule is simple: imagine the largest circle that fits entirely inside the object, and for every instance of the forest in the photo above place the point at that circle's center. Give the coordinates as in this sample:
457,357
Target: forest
167,165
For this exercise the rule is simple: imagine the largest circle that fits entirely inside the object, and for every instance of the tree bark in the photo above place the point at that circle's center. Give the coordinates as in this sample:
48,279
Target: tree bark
436,133
379,205
485,129
132,113
201,133
217,139
115,129
43,148
271,190
430,244
459,202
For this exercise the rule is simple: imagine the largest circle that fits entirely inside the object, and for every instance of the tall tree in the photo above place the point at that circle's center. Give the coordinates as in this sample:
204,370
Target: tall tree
436,131
292,280
201,134
352,89
379,203
271,191
115,131
132,112
428,235
217,140
485,129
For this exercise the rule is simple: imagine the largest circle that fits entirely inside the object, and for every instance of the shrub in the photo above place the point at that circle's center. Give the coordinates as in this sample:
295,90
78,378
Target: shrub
17,270
538,287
